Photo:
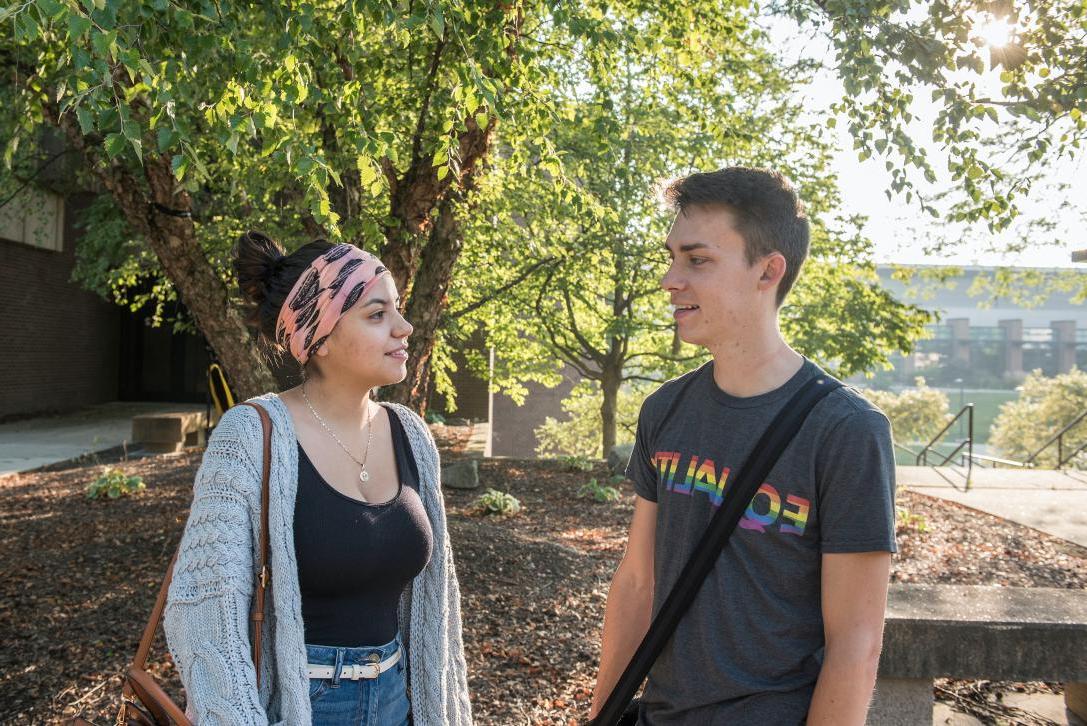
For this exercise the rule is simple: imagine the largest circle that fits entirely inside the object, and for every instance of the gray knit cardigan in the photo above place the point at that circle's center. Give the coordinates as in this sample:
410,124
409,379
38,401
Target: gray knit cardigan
207,611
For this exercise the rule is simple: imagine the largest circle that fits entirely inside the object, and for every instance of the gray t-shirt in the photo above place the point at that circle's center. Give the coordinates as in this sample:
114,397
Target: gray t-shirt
750,648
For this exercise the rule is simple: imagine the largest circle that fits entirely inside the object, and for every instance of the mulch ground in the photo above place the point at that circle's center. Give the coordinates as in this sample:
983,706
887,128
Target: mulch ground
78,577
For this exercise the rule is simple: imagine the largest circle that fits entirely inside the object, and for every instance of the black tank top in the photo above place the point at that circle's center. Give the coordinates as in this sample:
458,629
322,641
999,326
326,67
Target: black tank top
355,559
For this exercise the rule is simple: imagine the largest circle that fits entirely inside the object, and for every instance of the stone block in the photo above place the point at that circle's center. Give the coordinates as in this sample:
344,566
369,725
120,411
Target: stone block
168,431
618,457
461,475
1075,699
901,702
998,633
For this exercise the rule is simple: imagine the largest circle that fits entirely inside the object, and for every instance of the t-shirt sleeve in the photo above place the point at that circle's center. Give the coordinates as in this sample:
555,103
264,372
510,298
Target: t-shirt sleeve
856,483
640,468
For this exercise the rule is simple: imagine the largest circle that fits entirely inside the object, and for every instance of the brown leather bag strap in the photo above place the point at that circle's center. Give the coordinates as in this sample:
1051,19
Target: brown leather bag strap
156,617
257,616
265,574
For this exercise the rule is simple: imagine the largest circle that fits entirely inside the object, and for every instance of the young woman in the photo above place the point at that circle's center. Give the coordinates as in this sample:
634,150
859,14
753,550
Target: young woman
362,621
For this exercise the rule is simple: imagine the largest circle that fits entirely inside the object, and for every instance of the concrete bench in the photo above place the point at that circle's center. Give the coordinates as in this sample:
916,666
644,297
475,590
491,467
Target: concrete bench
994,633
171,430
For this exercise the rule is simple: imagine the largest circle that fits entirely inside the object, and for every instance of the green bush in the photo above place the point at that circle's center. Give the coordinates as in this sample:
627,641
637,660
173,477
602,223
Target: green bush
495,502
434,417
1044,406
115,483
600,492
909,520
575,463
917,414
578,435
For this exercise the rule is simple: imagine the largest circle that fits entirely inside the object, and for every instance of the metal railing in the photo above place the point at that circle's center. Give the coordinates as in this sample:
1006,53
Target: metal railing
968,442
969,458
995,461
1058,438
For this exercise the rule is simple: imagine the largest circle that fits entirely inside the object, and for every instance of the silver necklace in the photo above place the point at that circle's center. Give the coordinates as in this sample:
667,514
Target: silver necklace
364,476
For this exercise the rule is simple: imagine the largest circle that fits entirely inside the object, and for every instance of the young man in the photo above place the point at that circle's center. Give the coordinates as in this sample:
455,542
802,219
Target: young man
788,626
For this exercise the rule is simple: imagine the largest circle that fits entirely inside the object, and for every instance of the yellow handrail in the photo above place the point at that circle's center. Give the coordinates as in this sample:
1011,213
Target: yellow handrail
219,389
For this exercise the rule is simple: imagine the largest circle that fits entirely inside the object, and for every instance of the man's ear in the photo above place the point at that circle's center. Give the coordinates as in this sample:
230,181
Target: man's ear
773,269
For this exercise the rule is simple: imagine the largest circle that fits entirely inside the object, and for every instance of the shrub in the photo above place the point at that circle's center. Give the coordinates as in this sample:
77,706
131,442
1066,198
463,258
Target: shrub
579,433
600,492
1044,406
576,463
493,501
917,414
434,417
908,520
115,483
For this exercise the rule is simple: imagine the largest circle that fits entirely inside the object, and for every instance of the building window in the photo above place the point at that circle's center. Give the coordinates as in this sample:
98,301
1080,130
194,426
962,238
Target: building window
34,217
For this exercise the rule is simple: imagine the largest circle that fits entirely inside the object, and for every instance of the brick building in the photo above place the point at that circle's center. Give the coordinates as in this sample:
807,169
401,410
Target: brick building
62,344
65,347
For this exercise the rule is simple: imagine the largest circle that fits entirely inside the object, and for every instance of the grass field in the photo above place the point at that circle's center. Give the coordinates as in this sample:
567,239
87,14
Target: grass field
986,406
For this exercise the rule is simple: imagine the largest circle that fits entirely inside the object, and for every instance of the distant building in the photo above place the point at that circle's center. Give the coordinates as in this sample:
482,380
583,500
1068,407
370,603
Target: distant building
990,342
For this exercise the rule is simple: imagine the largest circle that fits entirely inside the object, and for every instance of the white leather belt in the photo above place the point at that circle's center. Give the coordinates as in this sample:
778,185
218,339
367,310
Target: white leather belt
355,671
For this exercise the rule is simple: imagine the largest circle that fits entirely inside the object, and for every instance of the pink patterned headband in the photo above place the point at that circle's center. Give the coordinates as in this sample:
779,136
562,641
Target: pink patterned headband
324,292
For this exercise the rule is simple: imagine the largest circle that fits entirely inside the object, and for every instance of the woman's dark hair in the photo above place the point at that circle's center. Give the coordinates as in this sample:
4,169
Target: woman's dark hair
266,275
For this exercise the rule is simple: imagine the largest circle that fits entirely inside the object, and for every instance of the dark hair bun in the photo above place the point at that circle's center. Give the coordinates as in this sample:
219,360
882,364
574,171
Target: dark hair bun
255,261
266,276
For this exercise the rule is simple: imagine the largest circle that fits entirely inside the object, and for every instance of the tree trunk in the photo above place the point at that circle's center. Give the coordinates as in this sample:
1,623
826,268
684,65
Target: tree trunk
200,287
426,305
160,211
422,247
610,381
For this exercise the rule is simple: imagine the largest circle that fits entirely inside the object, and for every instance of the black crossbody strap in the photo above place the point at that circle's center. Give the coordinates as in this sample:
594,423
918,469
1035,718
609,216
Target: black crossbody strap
767,451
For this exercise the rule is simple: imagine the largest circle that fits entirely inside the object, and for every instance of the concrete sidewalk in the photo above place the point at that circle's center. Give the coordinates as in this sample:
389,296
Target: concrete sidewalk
29,444
1054,502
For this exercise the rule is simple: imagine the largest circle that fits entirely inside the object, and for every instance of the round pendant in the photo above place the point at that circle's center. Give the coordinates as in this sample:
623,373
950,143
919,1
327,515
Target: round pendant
364,476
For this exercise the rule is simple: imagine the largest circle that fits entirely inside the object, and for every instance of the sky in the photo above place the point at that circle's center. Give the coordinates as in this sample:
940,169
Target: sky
899,229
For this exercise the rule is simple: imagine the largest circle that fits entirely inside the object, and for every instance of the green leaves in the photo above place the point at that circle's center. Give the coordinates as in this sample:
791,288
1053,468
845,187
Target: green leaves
165,137
114,145
113,484
436,21
78,25
289,119
179,165
86,121
936,47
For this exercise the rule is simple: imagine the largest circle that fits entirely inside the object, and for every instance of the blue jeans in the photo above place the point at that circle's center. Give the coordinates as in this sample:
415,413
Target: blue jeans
381,701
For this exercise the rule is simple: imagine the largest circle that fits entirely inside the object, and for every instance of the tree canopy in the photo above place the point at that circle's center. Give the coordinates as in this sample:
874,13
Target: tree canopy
462,141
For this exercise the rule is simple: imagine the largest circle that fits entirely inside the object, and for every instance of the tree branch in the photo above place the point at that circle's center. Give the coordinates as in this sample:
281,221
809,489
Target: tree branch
525,274
591,352
571,356
32,177
420,124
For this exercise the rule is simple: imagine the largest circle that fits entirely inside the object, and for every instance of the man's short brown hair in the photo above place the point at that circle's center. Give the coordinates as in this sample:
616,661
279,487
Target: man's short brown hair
769,215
